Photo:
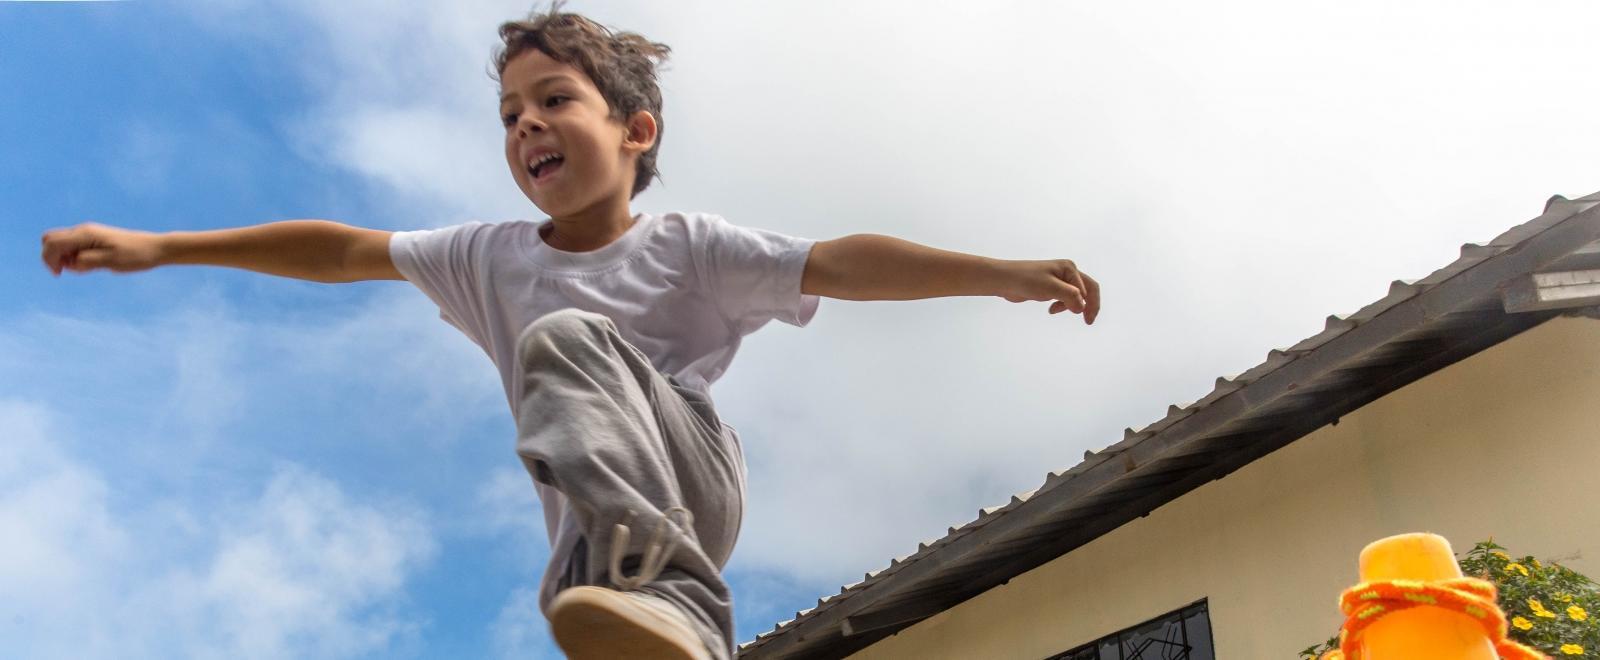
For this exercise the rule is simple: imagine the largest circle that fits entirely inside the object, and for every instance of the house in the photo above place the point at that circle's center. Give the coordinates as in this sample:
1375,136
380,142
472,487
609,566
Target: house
1466,403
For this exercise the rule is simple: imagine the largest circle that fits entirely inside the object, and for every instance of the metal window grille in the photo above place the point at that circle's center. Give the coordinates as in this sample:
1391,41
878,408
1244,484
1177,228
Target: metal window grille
1183,634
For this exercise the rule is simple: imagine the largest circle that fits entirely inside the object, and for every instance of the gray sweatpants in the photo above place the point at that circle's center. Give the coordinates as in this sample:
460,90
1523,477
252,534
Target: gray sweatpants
625,444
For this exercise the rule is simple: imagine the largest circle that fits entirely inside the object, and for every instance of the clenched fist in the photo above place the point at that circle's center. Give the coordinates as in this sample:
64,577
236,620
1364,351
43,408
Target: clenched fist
90,246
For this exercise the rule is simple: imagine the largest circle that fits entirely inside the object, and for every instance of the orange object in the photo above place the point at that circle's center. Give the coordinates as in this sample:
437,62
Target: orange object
1413,604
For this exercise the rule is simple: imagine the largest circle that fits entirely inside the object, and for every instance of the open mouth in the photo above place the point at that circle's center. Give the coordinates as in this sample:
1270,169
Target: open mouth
546,167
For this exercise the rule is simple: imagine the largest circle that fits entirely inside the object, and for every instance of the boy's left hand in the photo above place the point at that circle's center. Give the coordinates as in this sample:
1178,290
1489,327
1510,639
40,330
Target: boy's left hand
1052,279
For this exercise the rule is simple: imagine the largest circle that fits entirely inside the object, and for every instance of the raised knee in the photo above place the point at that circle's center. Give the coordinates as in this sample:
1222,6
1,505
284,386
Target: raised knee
559,329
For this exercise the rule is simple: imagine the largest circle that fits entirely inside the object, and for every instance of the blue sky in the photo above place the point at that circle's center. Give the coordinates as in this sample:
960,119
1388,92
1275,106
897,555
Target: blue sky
203,462
166,392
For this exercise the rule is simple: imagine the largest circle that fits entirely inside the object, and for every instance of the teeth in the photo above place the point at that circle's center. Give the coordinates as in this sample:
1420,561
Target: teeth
543,159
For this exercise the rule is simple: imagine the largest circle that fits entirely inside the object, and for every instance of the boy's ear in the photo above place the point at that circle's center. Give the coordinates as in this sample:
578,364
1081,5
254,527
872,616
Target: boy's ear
641,135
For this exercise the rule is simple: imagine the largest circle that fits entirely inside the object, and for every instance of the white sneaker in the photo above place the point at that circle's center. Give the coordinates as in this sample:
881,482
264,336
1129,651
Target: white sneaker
595,623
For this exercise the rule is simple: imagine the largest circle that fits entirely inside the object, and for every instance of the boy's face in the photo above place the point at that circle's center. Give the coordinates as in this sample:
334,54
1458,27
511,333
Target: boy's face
549,107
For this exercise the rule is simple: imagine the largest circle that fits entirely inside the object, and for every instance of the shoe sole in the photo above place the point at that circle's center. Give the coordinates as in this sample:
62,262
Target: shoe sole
590,624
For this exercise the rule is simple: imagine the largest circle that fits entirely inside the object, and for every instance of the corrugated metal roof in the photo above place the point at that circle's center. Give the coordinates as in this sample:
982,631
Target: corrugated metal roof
1418,328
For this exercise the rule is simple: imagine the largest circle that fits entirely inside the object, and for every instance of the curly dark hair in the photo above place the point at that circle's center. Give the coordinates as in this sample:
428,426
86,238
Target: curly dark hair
622,66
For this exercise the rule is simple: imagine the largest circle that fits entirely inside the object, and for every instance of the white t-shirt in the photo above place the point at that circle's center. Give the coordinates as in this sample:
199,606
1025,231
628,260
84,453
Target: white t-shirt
682,288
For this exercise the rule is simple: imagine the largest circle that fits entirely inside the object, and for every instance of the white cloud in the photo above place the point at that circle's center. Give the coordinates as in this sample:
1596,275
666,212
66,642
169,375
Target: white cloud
53,515
142,162
296,571
206,365
508,511
520,631
208,394
301,572
394,343
405,98
505,499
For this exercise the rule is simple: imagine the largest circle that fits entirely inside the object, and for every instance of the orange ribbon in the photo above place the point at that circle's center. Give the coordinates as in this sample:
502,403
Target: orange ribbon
1367,602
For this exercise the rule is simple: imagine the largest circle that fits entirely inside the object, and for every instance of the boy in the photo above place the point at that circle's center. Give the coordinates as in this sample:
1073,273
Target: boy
608,328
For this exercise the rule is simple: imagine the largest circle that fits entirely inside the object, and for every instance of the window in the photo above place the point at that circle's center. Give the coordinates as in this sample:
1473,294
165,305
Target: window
1181,635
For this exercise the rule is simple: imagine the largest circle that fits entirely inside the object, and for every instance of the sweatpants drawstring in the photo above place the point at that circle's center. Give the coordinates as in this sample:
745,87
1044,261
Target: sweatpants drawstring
656,552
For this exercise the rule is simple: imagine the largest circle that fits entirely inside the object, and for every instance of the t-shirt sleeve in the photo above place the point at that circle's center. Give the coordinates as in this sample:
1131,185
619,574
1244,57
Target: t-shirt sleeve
754,274
450,265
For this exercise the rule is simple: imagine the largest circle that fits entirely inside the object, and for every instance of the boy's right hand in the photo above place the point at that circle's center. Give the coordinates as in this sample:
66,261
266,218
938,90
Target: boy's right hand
89,246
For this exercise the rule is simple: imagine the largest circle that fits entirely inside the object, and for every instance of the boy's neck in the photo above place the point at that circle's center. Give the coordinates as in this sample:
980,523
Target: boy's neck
590,229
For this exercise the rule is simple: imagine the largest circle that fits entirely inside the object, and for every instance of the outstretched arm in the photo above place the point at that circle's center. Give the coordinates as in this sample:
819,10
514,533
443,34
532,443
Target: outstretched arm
874,267
315,250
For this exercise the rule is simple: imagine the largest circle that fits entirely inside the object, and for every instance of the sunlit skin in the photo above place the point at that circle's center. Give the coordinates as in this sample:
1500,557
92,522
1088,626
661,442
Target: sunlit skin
552,105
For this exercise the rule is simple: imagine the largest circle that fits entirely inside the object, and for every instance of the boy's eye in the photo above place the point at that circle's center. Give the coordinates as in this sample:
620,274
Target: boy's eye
553,101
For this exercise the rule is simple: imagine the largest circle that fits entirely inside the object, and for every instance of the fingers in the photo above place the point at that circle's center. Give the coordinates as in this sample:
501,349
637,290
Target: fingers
55,249
1076,291
1092,309
1075,278
1067,298
90,259
61,247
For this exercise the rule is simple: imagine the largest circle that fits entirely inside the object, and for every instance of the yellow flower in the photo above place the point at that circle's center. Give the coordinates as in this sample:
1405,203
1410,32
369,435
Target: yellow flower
1572,649
1521,623
1539,610
1513,566
1536,564
1501,555
1565,598
1577,613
